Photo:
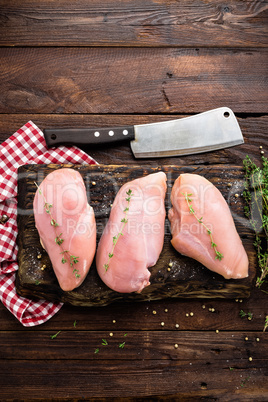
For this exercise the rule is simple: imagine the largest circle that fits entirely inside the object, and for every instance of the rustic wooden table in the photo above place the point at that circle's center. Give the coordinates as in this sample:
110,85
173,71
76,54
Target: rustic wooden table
92,63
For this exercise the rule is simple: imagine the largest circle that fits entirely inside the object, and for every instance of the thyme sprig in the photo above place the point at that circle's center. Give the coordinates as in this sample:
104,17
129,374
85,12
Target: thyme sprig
218,255
243,314
265,324
124,221
58,239
256,209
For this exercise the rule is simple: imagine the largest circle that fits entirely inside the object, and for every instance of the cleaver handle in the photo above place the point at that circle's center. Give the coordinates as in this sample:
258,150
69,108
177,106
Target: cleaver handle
87,136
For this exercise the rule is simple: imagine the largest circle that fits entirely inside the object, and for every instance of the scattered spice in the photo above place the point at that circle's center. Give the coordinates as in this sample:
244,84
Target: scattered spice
218,256
176,346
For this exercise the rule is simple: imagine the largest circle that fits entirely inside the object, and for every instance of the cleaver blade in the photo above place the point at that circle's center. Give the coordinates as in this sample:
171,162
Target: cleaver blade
207,131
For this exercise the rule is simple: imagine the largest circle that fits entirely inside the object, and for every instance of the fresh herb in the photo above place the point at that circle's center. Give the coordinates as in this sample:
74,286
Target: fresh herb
256,209
218,255
75,323
104,342
96,350
265,324
58,239
55,335
243,314
37,282
124,222
121,345
243,382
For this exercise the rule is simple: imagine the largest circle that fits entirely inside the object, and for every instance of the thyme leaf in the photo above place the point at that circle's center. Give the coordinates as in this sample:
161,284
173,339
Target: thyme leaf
124,221
218,255
55,335
58,239
256,209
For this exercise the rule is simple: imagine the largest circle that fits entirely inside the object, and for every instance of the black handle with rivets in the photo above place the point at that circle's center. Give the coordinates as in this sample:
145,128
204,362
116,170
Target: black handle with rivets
87,136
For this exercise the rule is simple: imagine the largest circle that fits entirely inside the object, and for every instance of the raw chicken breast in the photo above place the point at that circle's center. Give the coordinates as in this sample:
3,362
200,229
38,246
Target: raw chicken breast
191,238
142,237
66,225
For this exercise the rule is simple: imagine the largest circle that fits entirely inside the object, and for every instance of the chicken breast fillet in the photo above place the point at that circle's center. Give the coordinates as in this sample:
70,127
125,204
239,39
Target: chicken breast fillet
138,212
214,242
66,225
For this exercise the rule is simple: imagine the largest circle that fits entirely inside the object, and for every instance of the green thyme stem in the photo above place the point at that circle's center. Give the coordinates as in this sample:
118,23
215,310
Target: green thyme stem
256,197
124,222
218,256
265,324
58,239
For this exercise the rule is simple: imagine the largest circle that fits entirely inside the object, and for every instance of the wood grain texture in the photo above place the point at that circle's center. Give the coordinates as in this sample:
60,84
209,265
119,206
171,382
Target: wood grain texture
187,23
141,316
77,63
186,278
201,371
132,80
253,129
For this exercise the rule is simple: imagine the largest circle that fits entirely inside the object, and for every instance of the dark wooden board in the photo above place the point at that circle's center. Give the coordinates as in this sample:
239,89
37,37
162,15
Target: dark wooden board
148,365
132,80
187,278
253,129
191,23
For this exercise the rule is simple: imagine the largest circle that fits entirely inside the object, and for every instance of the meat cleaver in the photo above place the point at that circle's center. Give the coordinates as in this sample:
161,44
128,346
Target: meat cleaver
207,131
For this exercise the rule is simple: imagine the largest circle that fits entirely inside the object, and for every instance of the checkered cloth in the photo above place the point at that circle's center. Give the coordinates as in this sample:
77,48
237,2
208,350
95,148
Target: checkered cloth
26,146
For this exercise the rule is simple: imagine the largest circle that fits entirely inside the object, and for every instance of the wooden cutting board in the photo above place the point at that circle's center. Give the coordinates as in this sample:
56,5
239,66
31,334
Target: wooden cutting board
186,278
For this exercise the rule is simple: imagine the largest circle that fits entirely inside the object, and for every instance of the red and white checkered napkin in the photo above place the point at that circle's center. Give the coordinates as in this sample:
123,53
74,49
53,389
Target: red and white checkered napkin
26,146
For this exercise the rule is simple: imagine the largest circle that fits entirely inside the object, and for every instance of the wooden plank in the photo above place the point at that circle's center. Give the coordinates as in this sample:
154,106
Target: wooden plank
223,348
134,23
125,80
142,378
253,129
148,316
186,278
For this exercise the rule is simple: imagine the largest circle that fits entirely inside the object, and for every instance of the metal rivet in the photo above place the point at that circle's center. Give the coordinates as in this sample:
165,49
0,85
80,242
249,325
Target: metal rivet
125,132
97,134
111,133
